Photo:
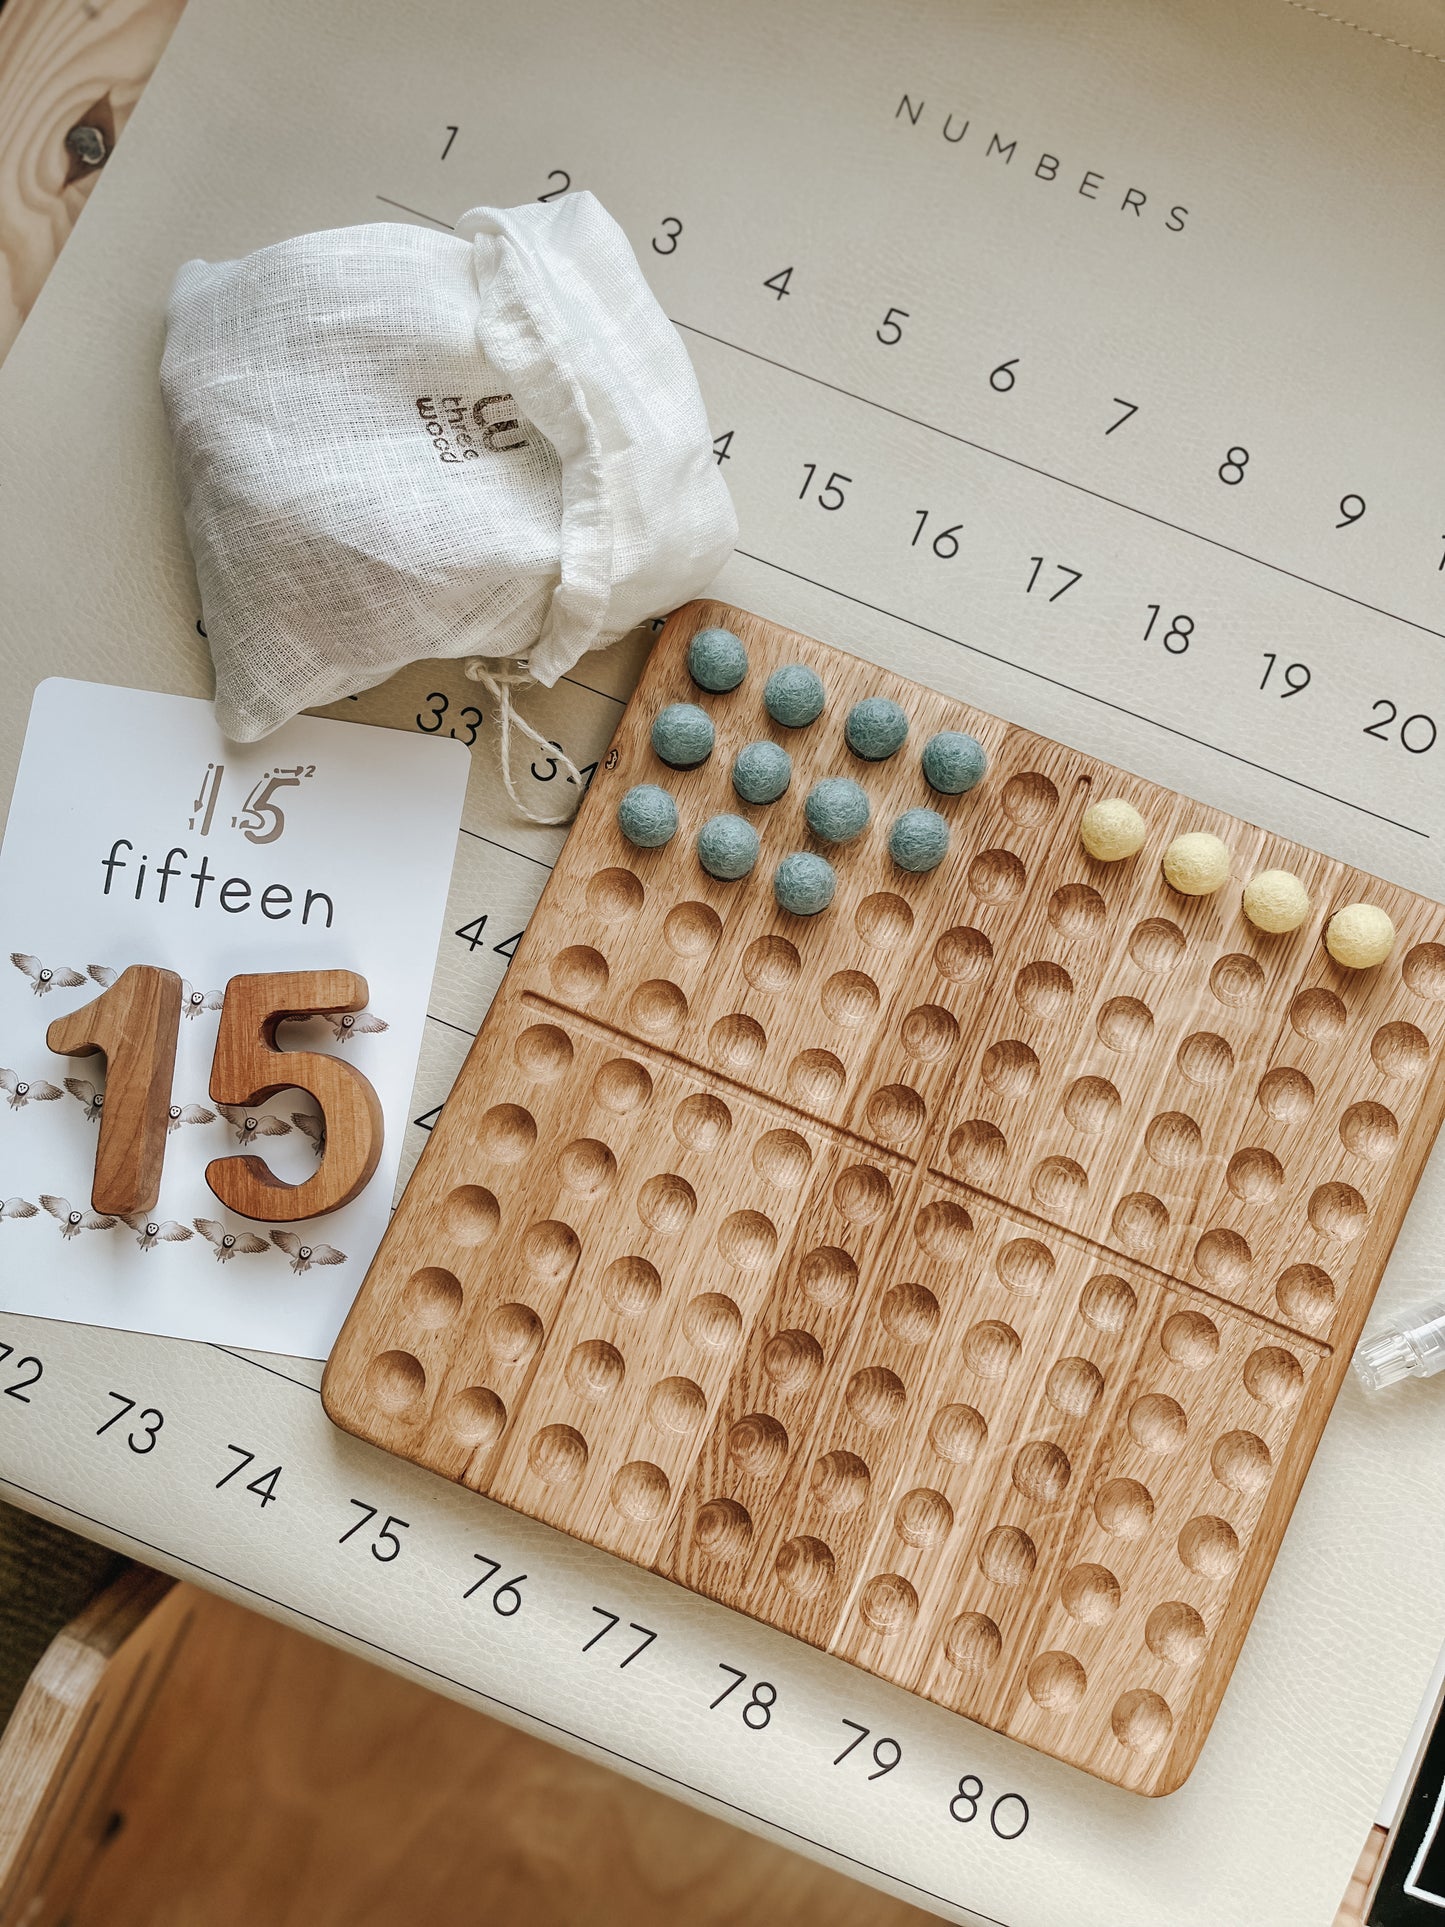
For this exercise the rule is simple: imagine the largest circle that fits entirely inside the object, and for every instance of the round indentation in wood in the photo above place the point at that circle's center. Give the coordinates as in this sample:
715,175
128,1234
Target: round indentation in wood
658,1007
712,1321
1091,1105
928,1033
1237,980
888,1604
883,920
1173,1139
862,1193
1241,1461
1090,1594
1076,910
721,1529
475,1416
506,1134
1157,1423
1285,1094
1056,1681
1141,1720
586,1167
640,1490
1190,1339
1401,1051
667,1203
1124,1025
1254,1174
990,1348
850,998
431,1298
549,1249
1370,1131
943,1229
758,1445
1058,1184
1025,1266
558,1455
594,1369
1010,1068
958,1433
1224,1258
1157,945
1042,1471
511,1333
691,929
962,954
1275,1377
874,1396
395,1382
615,895
676,1405
1305,1295
702,1122
783,1158
895,1114
1043,988
1424,971
1175,1633
631,1285
1209,1546
1139,1221
978,1151
578,974
923,1517
1338,1211
622,1085
827,1274
738,1043
1205,1058
1124,1508
803,1567
1318,1014
997,876
470,1215
792,1360
1029,798
909,1314
543,1053
1008,1556
1108,1303
839,1482
1073,1386
771,963
815,1077
972,1643
747,1240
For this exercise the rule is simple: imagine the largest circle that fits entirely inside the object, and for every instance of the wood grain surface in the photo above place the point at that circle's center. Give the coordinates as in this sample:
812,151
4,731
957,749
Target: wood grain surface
958,1279
133,1025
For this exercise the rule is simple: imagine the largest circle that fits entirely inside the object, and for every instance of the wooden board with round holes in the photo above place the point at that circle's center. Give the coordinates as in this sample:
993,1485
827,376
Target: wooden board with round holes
959,1279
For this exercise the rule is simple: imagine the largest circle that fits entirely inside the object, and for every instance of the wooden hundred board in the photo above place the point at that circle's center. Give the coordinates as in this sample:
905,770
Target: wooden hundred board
958,1279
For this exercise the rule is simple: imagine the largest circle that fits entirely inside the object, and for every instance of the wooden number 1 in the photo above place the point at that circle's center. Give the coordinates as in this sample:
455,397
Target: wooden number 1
249,1066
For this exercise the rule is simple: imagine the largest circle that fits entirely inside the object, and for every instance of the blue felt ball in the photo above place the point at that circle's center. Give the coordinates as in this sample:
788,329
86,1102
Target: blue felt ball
953,762
875,728
647,816
918,840
716,660
683,735
794,696
762,771
837,809
804,884
727,847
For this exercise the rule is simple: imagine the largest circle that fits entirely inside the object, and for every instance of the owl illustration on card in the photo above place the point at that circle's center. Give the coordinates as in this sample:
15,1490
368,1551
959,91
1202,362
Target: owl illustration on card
152,1231
228,1244
194,1001
72,1219
249,1125
346,1024
17,1208
45,977
86,1095
179,1114
304,1256
20,1091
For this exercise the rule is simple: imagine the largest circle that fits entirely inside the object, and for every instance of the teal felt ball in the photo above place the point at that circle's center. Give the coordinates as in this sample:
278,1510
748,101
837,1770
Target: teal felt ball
683,735
647,816
953,762
918,840
804,884
837,809
876,728
727,847
762,771
716,660
794,696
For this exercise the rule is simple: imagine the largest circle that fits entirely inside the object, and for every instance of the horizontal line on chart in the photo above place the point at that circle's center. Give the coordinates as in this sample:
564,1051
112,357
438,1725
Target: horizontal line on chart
1016,461
540,862
402,208
241,1356
1074,690
447,1024
493,1699
606,695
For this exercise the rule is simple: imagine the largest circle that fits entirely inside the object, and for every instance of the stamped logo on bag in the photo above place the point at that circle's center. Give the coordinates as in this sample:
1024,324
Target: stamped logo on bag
461,430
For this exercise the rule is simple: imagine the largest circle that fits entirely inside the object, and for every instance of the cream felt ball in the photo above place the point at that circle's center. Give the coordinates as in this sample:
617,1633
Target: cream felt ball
1112,829
1276,900
1360,936
1196,864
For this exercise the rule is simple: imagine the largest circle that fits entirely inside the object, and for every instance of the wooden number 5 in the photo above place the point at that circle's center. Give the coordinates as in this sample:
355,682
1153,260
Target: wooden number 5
249,1066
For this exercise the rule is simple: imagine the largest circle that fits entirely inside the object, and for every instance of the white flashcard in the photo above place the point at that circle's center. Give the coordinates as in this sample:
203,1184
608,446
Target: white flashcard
139,835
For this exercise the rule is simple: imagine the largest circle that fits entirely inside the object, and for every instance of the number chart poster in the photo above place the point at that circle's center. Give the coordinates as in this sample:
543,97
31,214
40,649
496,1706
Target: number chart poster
140,835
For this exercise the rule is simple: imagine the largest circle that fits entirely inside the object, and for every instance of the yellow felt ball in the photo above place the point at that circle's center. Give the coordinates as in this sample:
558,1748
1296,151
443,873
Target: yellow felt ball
1360,936
1111,829
1196,864
1276,900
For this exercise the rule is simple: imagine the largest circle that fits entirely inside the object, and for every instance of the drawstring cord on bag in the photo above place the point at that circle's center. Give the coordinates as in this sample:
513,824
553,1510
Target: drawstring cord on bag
499,684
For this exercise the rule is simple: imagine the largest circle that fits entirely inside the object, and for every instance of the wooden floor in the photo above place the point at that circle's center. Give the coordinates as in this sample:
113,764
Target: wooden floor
279,1783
